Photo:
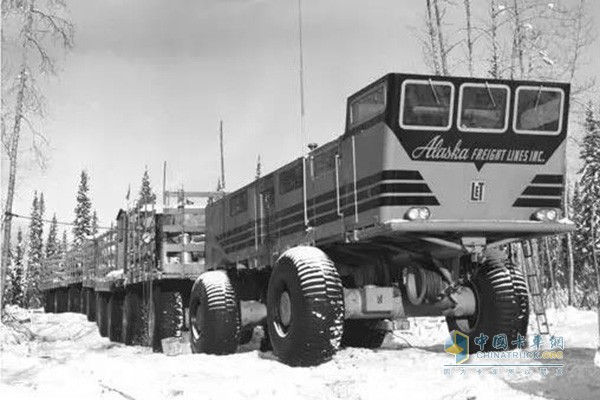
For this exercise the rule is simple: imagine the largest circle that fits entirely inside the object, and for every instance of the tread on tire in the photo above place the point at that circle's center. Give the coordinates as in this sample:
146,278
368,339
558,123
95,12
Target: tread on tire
502,303
214,315
311,331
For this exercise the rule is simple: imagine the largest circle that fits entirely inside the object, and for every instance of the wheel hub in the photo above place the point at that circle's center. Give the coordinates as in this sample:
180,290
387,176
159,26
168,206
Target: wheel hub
196,323
285,309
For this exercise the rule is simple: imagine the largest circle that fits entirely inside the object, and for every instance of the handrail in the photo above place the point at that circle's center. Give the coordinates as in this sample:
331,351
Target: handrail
337,185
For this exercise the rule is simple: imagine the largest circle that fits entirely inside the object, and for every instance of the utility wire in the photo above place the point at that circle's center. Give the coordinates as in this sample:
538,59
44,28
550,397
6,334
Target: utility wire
47,220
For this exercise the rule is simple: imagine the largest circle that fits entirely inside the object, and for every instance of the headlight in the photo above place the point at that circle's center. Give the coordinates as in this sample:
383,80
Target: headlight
418,213
546,214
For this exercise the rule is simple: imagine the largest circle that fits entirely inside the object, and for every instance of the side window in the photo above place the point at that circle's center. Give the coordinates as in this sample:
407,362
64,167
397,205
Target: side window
538,110
291,179
323,161
483,107
238,203
268,197
368,105
267,191
426,105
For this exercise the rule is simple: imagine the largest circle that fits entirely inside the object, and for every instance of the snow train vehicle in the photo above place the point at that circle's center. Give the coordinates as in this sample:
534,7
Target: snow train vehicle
407,213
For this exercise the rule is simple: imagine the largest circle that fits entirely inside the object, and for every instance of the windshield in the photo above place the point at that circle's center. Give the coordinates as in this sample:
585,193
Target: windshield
483,107
538,110
426,104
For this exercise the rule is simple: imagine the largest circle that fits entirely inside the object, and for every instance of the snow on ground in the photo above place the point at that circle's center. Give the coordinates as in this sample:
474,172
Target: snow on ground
62,356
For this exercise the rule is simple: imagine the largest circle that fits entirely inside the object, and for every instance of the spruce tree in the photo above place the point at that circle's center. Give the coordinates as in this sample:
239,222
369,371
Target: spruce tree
15,282
52,244
147,196
94,223
64,244
83,217
42,205
587,206
35,254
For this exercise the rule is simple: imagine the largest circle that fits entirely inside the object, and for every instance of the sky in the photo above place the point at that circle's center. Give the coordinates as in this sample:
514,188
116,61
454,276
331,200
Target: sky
148,81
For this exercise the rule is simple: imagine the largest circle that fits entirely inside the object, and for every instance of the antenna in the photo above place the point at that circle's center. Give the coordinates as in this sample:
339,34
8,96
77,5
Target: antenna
258,167
164,183
302,114
222,157
302,106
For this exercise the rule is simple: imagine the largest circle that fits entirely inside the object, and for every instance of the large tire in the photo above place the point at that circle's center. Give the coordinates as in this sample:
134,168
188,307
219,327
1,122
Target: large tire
62,300
214,315
305,307
49,304
522,297
502,305
102,313
246,336
133,323
362,333
166,316
74,299
91,305
83,301
115,317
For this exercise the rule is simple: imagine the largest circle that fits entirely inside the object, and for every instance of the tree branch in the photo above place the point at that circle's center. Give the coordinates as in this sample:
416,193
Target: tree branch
61,28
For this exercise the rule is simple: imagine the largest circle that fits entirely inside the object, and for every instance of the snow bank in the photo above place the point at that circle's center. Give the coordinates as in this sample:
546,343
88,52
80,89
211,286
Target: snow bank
579,328
67,359
116,274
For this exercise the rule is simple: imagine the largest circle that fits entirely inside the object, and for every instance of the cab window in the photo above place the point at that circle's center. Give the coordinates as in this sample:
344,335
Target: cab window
368,105
483,107
538,110
426,105
291,179
323,161
238,203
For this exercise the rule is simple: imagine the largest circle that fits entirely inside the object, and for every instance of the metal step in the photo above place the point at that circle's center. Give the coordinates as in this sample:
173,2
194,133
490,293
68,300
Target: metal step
531,271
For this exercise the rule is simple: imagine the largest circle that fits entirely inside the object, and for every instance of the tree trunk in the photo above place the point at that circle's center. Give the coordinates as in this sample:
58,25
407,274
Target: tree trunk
577,46
517,41
469,36
432,39
494,67
13,153
440,34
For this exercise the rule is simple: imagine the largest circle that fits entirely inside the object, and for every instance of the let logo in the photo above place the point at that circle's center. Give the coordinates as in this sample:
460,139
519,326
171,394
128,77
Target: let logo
477,191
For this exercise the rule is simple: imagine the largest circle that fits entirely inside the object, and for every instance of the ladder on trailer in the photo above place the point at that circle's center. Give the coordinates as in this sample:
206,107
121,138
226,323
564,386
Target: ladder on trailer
531,271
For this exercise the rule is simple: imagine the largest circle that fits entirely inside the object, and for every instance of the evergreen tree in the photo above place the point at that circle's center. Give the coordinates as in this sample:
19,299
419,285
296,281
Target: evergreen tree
15,291
35,254
64,244
42,205
94,223
83,218
586,203
52,244
147,196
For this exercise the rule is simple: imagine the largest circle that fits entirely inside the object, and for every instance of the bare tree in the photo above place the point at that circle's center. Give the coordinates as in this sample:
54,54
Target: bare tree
433,51
40,27
440,34
469,35
517,49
